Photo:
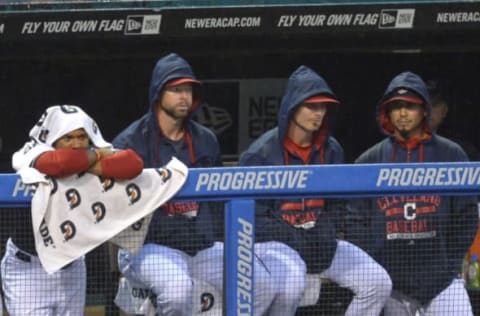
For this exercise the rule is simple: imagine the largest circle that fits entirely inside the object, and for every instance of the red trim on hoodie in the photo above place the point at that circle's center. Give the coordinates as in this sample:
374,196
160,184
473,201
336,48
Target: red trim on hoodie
411,144
296,206
294,149
304,153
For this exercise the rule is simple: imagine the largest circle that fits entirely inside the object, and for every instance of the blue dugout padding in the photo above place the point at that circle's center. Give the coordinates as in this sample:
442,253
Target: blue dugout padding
240,186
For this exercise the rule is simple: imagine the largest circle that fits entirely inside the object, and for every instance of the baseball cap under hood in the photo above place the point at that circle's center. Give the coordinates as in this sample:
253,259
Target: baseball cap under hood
408,87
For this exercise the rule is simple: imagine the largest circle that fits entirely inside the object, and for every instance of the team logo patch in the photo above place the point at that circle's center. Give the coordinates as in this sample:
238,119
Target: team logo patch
402,91
99,210
43,135
69,109
68,230
107,183
73,198
207,300
164,173
133,193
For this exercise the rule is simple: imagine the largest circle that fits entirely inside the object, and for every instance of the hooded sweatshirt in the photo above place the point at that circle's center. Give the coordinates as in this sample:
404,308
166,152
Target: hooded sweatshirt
304,224
183,225
420,240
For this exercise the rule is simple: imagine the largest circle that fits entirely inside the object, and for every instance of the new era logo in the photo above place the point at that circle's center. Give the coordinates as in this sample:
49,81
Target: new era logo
388,20
143,24
398,19
134,25
217,119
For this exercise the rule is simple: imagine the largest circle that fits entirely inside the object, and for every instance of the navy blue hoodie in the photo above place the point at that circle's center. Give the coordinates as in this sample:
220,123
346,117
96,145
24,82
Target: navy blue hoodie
304,224
422,250
173,224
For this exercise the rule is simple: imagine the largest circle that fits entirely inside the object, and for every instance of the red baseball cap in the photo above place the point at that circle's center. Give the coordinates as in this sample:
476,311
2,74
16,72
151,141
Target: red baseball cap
179,81
321,99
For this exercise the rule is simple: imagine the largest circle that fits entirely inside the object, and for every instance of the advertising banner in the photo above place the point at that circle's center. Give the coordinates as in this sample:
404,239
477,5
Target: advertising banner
256,21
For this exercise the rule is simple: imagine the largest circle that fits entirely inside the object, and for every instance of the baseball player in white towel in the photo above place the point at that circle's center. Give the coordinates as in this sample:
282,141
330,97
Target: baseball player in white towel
65,141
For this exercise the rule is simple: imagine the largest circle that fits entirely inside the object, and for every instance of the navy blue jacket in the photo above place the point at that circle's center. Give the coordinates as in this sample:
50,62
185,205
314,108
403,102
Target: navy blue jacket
422,250
172,224
291,221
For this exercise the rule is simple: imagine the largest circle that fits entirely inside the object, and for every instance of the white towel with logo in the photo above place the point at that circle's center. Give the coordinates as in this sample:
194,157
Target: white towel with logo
55,122
73,215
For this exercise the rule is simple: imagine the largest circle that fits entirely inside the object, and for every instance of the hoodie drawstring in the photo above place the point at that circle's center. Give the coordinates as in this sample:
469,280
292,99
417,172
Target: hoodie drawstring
322,157
409,146
188,140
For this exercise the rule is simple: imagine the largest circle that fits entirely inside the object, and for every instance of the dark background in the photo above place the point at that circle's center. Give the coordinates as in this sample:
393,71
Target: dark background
112,86
109,78
108,74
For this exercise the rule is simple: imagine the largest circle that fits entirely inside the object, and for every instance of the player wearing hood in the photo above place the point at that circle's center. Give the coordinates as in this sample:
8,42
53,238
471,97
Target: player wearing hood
180,245
307,226
421,239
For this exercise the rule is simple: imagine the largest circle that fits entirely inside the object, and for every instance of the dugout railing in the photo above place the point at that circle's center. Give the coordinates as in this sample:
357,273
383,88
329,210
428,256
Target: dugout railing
240,187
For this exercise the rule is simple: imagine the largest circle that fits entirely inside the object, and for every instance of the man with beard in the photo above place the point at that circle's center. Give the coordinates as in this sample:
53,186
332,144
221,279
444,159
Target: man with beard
180,245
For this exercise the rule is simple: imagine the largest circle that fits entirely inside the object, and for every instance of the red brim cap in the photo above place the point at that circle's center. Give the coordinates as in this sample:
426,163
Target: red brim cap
405,95
321,99
405,98
179,81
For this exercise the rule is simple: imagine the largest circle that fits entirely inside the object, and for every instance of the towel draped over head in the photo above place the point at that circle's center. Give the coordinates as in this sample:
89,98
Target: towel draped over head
55,122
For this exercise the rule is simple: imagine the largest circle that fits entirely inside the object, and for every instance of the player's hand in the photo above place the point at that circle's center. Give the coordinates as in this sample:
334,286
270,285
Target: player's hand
99,154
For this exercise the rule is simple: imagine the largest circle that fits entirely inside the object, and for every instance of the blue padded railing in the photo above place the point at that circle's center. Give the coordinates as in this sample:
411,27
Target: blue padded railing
239,187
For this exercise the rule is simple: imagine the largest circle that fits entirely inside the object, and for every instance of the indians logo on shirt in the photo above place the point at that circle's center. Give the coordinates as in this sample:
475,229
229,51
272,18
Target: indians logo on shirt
302,214
409,217
188,209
